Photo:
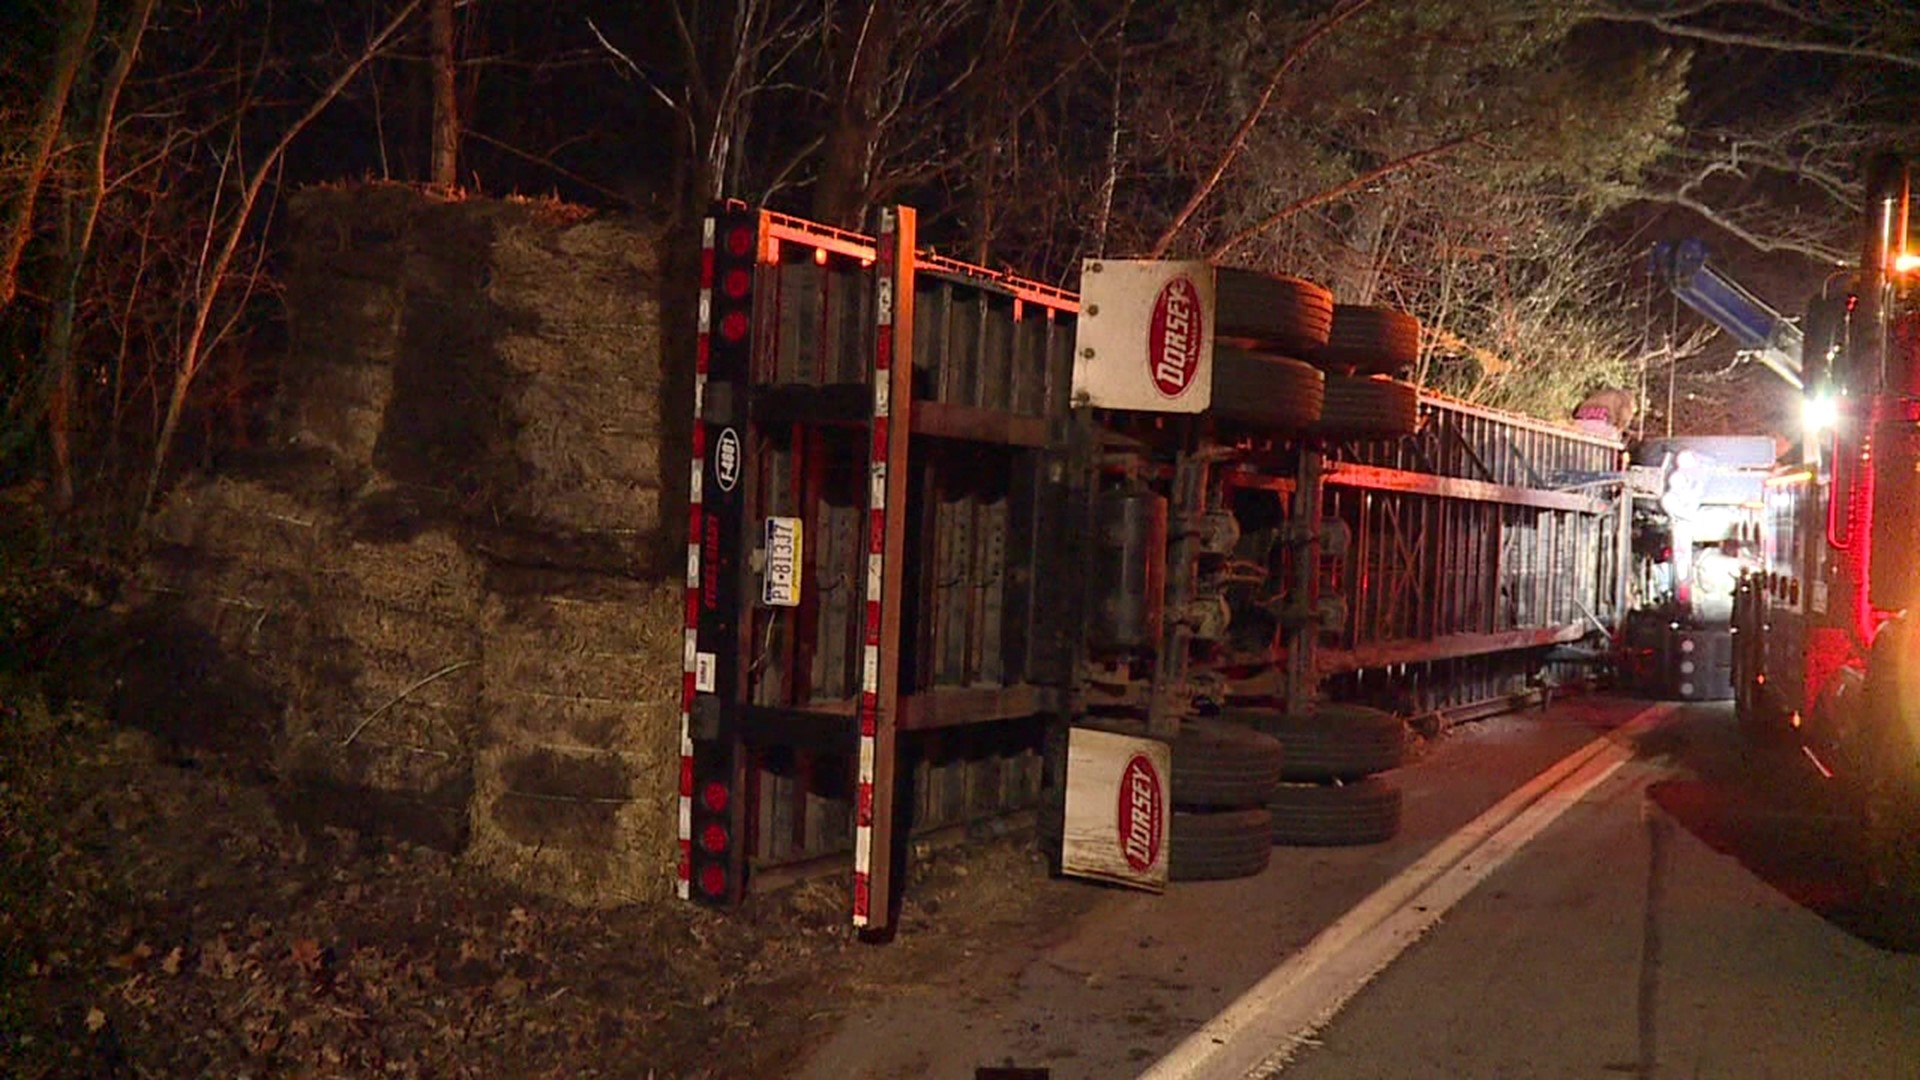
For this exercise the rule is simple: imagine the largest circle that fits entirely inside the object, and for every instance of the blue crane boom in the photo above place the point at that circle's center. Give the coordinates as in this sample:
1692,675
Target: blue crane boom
1770,336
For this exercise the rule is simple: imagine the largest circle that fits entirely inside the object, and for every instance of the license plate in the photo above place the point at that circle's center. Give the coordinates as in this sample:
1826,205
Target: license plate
780,586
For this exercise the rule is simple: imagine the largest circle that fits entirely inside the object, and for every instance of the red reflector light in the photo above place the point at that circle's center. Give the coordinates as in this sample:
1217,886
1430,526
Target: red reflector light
739,241
734,326
714,796
737,282
713,880
713,839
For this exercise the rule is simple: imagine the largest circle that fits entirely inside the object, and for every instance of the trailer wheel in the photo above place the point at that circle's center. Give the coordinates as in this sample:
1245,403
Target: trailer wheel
1337,742
1214,846
1254,308
1271,391
1336,815
1359,406
1371,340
1216,763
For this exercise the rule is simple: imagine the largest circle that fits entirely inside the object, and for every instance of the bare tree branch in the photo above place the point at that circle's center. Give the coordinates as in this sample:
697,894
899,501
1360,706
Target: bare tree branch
1671,25
193,351
76,31
1325,26
635,69
60,331
546,163
1823,253
939,164
1339,191
1110,173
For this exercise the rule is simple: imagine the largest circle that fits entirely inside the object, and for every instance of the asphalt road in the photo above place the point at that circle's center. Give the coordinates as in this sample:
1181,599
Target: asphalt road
1692,917
1687,910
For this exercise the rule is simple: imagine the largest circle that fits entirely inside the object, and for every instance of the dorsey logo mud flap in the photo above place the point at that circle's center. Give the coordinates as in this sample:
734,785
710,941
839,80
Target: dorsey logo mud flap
1117,806
1145,336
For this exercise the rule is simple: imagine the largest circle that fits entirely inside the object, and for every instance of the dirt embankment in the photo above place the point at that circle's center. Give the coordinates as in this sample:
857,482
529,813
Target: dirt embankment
159,918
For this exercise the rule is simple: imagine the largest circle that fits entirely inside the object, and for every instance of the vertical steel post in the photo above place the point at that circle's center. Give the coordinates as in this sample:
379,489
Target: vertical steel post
1623,556
1168,705
1302,676
891,422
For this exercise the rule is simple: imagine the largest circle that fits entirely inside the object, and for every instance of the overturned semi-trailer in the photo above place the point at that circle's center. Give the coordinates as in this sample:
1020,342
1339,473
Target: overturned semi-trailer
943,519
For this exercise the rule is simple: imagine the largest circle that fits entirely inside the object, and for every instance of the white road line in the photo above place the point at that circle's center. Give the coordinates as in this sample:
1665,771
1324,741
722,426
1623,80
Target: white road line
1257,1034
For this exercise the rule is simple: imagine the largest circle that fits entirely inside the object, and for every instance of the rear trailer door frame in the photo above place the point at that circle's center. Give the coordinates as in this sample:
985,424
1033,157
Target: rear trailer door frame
815,409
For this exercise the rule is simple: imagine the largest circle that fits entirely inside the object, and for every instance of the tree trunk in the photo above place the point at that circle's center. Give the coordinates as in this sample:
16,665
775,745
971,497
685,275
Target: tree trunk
75,34
60,361
1110,171
446,117
853,136
76,248
1357,262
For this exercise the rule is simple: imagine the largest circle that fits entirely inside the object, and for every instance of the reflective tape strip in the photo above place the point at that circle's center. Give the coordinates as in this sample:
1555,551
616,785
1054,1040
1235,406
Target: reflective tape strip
876,567
690,658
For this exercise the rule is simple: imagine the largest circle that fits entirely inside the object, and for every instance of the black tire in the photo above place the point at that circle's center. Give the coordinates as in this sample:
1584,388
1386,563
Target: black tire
1217,845
1271,391
1336,815
1290,314
1221,764
1336,742
1370,340
1360,406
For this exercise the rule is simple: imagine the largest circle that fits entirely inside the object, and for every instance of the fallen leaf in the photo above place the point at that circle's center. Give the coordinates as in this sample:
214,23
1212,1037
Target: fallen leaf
96,1019
217,958
171,963
133,957
306,953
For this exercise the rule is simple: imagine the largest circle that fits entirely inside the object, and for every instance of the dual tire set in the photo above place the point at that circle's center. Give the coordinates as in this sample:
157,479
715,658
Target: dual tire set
1253,778
1288,357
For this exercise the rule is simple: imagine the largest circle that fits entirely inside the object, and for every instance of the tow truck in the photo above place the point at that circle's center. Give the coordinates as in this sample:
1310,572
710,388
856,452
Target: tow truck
1698,499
